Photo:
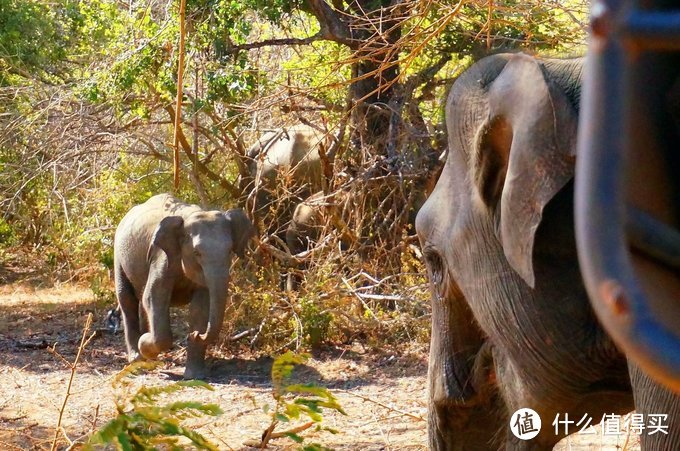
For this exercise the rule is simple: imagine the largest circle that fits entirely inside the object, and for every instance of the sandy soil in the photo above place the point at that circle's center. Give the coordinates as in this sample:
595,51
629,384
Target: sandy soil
383,393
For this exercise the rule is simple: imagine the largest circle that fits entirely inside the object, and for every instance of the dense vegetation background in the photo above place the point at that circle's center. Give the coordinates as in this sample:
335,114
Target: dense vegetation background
87,93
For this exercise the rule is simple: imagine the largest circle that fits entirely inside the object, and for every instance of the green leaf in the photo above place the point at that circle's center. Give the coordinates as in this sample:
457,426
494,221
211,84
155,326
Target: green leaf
134,369
281,417
148,395
315,447
292,410
207,409
196,383
283,367
109,431
313,415
124,441
311,389
293,436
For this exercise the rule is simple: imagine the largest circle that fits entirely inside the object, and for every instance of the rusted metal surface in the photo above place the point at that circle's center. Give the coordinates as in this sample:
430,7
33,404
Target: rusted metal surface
628,180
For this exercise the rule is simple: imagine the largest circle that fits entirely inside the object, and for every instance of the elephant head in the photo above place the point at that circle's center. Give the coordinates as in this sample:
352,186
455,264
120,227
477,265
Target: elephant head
201,245
497,289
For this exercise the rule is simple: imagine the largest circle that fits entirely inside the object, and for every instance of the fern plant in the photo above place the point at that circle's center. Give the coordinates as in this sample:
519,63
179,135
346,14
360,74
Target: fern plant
296,401
143,424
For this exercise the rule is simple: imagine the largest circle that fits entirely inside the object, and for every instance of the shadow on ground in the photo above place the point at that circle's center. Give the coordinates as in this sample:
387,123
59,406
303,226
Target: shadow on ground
32,321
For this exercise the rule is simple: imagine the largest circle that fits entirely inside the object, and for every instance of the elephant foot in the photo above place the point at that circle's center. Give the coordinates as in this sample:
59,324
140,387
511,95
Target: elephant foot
195,366
150,348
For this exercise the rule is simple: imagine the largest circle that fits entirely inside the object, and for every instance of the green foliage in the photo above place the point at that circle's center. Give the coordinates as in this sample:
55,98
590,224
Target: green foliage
144,64
143,424
33,38
102,290
231,80
315,447
321,68
295,401
140,68
7,233
316,322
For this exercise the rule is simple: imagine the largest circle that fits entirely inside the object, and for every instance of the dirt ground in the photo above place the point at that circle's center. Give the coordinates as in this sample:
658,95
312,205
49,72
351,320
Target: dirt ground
383,393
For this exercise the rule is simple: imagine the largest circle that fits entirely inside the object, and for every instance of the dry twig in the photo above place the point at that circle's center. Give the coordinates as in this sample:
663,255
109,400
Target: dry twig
385,406
84,341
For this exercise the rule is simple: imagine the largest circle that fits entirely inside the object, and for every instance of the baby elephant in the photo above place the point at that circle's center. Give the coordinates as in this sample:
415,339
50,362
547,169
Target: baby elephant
167,253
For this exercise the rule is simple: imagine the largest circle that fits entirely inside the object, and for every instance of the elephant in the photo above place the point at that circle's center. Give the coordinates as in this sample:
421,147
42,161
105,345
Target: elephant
309,219
512,326
312,215
307,223
167,252
285,165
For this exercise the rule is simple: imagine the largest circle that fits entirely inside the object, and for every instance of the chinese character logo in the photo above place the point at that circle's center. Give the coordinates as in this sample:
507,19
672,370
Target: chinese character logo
525,424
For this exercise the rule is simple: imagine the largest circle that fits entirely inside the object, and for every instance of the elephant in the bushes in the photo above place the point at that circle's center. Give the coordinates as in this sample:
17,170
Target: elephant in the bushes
306,225
167,252
286,166
511,323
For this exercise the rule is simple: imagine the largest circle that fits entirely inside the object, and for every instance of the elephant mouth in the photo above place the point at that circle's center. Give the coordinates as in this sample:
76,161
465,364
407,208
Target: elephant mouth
459,385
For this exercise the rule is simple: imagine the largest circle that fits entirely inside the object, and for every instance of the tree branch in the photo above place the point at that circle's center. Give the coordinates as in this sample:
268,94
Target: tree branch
226,184
333,27
275,42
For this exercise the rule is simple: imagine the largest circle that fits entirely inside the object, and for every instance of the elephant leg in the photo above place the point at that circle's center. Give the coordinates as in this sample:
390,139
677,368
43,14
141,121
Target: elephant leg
129,306
199,310
293,280
660,410
156,302
143,321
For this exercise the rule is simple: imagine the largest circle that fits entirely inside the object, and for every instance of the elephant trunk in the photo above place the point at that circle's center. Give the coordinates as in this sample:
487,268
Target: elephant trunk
217,282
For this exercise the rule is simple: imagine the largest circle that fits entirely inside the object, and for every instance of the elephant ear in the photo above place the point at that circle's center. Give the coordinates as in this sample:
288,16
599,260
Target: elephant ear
242,229
167,236
524,155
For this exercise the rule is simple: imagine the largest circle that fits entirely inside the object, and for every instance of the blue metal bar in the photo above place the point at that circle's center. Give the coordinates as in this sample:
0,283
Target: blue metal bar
653,238
605,225
654,30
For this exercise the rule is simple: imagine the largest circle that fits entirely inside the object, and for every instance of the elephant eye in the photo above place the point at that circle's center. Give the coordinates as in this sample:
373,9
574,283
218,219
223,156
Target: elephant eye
440,283
435,265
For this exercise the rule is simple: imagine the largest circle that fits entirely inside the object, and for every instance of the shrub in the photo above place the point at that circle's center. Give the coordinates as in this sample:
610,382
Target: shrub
143,424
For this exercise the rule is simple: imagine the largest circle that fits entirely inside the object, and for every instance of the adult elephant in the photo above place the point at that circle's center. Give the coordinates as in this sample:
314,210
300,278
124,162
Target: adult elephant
167,252
511,323
285,167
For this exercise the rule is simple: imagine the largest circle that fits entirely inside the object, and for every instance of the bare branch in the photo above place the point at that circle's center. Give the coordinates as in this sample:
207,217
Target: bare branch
333,23
205,170
276,42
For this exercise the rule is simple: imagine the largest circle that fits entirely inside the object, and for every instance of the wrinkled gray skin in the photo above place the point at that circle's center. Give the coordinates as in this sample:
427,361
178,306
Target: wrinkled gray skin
287,158
511,323
168,253
304,230
307,223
